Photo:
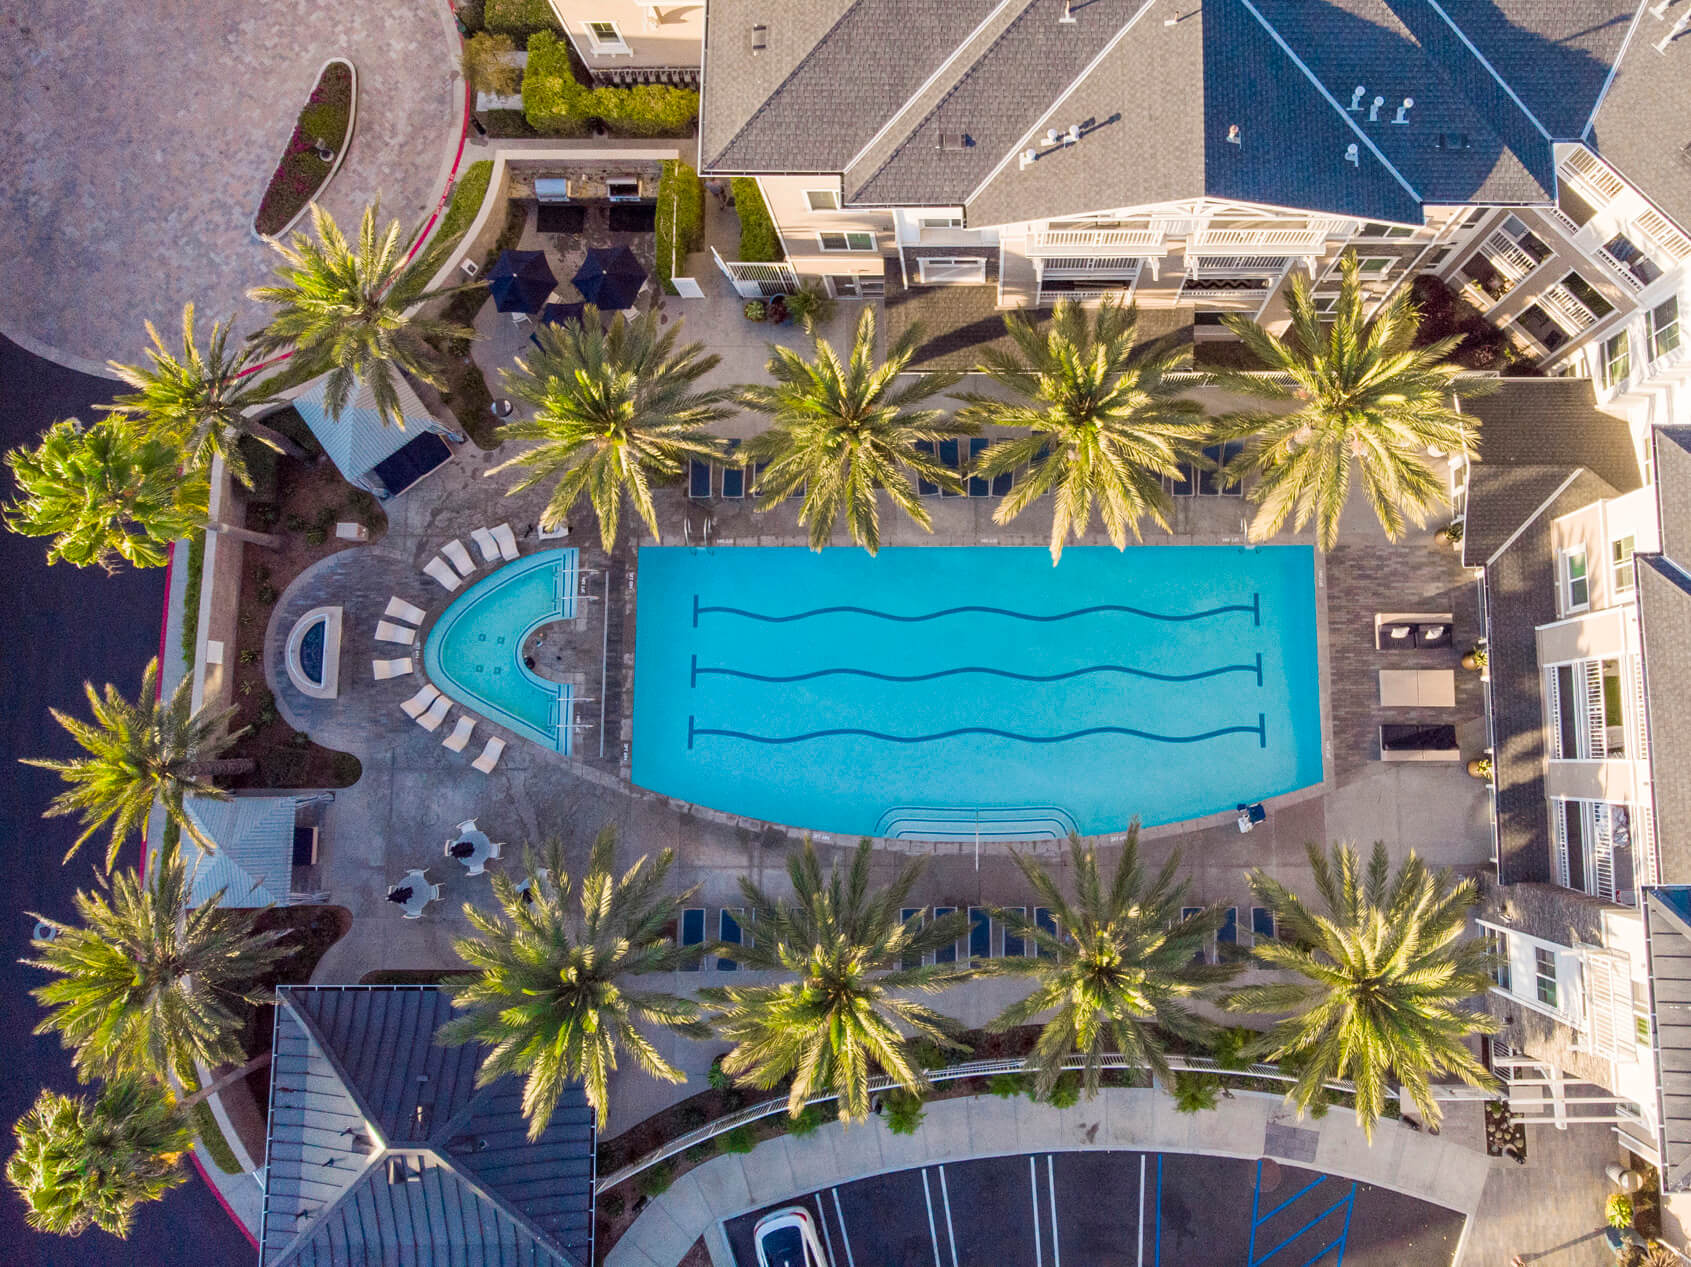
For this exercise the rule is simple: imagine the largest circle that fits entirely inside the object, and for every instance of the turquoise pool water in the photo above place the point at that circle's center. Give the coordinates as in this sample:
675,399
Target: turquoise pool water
474,651
931,693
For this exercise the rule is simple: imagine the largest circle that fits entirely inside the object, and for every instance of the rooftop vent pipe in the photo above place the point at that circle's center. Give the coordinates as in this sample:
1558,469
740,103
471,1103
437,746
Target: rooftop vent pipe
1352,155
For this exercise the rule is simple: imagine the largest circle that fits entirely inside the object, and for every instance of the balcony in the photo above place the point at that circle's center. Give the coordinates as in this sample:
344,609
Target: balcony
1296,242
1115,242
1509,256
1566,310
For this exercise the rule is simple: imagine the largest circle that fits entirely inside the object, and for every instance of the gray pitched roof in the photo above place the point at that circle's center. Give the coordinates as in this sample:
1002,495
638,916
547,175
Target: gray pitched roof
381,1150
1667,938
1664,622
253,864
1641,126
1672,461
866,88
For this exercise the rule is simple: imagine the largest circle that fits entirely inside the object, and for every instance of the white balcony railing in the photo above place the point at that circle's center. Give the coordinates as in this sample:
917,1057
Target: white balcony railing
1566,310
1073,241
1309,241
1626,275
1089,266
1507,256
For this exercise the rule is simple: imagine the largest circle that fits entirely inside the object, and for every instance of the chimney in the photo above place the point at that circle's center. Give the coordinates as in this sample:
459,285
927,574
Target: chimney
1403,110
1352,156
1374,109
1356,97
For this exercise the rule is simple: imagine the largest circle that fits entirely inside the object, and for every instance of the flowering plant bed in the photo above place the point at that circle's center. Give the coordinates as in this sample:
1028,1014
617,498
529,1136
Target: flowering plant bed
314,150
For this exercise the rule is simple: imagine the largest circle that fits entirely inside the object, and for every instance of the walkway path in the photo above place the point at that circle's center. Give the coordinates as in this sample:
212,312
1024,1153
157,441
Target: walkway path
141,137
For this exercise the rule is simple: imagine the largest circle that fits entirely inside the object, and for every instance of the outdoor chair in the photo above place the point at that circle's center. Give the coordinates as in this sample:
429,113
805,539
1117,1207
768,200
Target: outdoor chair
490,755
506,540
521,319
431,720
460,735
455,551
385,669
469,824
486,544
399,609
437,568
388,631
422,699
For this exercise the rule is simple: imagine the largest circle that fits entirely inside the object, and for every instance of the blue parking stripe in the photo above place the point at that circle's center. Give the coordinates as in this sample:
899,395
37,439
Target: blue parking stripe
1319,1180
1256,1195
1344,1236
1257,1262
1157,1258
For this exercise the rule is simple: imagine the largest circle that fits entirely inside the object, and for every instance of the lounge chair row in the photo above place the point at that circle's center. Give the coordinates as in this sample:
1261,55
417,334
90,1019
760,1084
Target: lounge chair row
453,565
428,708
391,629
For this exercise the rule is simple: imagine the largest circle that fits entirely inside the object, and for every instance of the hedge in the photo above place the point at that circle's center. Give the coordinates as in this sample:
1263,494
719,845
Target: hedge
557,103
467,197
518,17
681,218
758,240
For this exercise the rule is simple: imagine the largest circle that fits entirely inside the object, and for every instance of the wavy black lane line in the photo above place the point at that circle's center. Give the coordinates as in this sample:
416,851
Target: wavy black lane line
696,673
1260,730
1254,607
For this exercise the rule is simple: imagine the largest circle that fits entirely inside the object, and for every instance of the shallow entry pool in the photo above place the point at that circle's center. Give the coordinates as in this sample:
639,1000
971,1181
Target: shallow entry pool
937,693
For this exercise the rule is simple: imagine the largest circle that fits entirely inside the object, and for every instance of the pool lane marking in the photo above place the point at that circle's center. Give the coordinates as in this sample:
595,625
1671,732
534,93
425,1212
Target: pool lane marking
695,673
1259,729
950,1231
1033,1179
1141,1219
1051,1187
933,1232
1254,607
845,1236
823,1215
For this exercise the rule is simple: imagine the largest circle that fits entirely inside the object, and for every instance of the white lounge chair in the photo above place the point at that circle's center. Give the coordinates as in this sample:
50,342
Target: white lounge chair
388,631
486,544
437,713
385,669
438,568
460,735
454,550
399,609
422,699
490,755
507,542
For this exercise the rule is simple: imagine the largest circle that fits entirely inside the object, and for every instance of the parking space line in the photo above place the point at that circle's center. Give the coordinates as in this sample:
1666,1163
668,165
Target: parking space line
1141,1210
827,1237
1157,1256
1319,1180
1306,1227
950,1231
845,1236
1033,1179
1051,1185
933,1232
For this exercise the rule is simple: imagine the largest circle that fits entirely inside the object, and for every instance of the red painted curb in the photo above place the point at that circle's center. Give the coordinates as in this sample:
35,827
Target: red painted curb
218,1193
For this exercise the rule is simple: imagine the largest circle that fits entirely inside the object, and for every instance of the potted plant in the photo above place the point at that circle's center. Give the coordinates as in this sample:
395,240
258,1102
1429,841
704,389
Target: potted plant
1476,657
1617,1210
1480,767
756,310
1450,534
812,305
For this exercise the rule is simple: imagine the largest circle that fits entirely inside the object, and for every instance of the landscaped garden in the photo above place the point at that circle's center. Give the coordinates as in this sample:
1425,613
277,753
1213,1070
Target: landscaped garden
314,150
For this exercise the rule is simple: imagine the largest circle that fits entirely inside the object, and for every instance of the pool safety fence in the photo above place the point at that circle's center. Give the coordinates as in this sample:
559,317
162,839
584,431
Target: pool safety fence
986,1069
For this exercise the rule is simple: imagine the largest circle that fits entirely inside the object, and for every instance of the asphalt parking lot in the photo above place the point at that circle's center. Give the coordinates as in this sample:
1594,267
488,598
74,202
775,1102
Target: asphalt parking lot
1117,1209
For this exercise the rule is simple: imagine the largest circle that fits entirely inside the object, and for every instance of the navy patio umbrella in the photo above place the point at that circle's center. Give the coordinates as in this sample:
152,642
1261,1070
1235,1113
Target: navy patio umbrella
610,277
521,281
557,314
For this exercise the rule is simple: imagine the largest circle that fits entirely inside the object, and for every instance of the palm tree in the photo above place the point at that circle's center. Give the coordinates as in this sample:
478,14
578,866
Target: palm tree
845,431
613,410
145,986
846,1012
349,310
199,402
1120,968
1365,397
103,492
80,1164
1103,422
140,751
1385,969
545,996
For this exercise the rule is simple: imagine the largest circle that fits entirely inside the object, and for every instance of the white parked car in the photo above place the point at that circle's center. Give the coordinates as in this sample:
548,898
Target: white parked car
787,1238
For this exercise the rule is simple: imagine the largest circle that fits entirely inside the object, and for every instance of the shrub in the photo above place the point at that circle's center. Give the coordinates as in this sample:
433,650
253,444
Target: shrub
759,242
1196,1092
297,178
1617,1210
717,1076
613,1205
810,1119
1232,1047
518,17
195,563
487,65
1065,1092
755,310
812,305
738,1140
704,1150
681,218
689,1117
655,1180
1006,1086
902,1112
557,103
467,196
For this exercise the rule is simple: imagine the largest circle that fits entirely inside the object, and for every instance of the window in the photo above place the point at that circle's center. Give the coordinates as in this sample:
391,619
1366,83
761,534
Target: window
1376,230
1327,303
1588,295
958,270
1538,323
1664,328
941,222
1620,558
857,285
606,38
1567,713
1617,359
822,199
1544,968
1497,943
1375,266
852,241
1626,252
1576,585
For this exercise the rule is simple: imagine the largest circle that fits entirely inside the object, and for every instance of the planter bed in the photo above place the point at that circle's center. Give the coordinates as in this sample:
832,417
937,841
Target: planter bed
302,175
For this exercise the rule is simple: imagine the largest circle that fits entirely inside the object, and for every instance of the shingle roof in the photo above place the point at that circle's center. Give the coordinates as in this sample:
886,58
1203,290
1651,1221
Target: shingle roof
254,860
1672,461
1664,622
382,1150
1642,127
1504,78
1667,937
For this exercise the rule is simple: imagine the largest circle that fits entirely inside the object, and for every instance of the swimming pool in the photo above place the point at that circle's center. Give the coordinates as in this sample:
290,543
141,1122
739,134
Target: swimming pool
474,651
935,693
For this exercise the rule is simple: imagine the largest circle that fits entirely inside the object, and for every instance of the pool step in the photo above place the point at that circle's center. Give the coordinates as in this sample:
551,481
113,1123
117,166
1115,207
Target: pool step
970,823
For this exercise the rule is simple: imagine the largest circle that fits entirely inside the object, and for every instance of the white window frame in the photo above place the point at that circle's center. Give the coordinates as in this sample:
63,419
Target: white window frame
1380,231
1377,274
848,235
607,48
1501,970
1608,359
832,198
1538,978
1326,302
974,266
856,285
1657,351
940,222
1621,576
1567,579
